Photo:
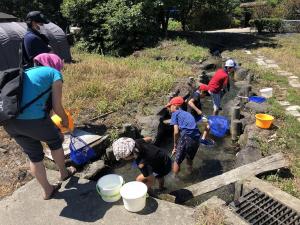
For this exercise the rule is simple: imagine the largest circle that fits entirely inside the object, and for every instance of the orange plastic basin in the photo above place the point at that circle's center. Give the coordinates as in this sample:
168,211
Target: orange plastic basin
264,120
57,121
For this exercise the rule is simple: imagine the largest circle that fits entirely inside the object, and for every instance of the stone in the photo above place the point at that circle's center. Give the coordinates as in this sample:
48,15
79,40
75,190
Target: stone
93,169
150,126
294,113
293,108
284,73
261,63
256,107
110,155
272,66
284,103
294,83
128,130
269,61
293,77
241,74
248,52
211,63
2,150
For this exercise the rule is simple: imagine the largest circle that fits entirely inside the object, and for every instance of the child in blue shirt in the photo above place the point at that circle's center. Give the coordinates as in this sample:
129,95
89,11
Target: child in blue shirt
186,134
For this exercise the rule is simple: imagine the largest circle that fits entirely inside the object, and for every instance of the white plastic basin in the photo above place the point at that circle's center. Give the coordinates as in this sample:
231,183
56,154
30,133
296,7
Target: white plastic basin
266,92
134,196
109,187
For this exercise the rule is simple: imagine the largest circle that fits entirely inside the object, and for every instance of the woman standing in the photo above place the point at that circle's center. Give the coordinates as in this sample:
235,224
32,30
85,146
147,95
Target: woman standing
33,125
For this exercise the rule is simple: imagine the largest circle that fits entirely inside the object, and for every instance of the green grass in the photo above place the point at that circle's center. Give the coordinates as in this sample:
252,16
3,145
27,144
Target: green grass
100,84
177,50
287,139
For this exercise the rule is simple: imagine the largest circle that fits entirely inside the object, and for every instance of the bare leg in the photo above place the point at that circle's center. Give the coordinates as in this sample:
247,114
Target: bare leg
39,172
146,180
176,168
205,132
189,164
59,158
161,183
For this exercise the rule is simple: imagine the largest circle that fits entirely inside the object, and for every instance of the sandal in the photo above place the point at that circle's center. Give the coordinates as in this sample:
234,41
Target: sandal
56,187
71,171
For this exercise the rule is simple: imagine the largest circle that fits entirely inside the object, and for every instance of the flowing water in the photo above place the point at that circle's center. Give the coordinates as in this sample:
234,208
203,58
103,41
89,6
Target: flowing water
208,162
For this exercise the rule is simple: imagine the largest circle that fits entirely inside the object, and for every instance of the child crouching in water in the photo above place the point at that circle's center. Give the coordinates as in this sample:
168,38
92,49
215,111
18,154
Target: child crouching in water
152,161
186,134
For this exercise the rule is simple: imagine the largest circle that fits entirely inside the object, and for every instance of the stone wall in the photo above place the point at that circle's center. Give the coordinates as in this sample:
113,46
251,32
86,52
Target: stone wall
291,26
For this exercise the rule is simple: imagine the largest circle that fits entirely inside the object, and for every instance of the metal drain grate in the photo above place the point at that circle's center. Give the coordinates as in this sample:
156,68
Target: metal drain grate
257,208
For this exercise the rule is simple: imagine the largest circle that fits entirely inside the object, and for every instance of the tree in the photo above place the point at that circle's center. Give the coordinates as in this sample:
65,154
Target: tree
20,8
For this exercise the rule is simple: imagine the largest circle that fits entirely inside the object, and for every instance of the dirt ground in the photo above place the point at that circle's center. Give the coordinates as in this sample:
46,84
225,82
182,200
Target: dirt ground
13,165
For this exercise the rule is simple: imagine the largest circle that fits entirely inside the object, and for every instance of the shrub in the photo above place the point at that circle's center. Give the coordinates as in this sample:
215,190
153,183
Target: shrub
174,25
235,22
267,24
114,27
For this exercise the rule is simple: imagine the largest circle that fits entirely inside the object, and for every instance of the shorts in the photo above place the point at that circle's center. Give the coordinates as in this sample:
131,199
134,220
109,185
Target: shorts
216,98
163,171
187,147
30,133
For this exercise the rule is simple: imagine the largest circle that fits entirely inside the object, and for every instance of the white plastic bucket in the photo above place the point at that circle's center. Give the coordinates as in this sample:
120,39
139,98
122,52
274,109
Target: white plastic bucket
109,187
266,92
134,196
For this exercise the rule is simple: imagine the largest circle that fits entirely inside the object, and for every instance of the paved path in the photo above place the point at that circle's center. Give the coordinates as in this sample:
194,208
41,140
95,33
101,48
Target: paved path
78,203
232,30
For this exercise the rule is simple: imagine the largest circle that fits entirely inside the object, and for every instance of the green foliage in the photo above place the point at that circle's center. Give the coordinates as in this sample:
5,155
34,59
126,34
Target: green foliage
174,25
235,22
114,27
20,8
272,25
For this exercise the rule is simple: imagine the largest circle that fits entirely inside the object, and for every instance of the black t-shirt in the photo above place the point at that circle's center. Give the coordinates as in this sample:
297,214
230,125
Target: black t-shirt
153,158
196,96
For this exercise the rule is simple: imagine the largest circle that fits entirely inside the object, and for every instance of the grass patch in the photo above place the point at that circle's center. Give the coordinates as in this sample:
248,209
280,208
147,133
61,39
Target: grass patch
101,84
287,55
177,50
287,138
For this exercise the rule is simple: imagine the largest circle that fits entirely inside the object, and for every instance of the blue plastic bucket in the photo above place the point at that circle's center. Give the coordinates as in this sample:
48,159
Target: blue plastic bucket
257,99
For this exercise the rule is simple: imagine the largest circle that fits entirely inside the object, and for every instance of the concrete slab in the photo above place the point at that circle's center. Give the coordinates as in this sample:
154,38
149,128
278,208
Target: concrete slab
272,66
218,204
87,137
284,103
269,61
294,113
293,108
78,203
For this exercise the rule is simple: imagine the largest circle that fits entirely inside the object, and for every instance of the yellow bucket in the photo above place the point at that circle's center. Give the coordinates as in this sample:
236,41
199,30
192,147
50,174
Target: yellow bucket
57,121
264,120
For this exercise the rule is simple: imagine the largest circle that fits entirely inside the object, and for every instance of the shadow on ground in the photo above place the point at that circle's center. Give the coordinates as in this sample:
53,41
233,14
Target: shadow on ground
226,41
83,201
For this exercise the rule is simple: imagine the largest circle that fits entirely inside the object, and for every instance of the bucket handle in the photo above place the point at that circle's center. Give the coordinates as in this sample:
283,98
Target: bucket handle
99,191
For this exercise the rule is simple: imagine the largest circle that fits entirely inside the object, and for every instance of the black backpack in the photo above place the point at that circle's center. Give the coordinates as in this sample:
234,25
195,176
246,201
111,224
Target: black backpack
11,87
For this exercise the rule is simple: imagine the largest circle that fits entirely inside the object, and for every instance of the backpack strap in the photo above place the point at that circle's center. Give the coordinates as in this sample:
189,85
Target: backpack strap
35,99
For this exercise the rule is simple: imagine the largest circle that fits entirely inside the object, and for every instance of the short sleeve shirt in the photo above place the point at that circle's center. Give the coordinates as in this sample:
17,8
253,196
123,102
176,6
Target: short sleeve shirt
153,158
218,81
35,81
196,96
186,123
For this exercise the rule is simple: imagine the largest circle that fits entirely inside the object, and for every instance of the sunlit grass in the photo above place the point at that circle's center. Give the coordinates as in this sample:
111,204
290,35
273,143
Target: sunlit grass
102,83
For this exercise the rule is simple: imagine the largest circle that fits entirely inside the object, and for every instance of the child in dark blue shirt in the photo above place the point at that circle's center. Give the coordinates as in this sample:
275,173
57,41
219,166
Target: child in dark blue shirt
186,134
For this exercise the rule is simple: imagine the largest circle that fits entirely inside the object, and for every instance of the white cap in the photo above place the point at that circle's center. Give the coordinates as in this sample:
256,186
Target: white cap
230,63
